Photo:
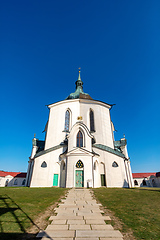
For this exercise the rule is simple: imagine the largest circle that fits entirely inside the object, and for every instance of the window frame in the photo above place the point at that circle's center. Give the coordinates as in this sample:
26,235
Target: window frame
80,139
91,120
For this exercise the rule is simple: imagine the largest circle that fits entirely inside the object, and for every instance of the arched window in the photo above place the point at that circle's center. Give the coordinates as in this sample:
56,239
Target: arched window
114,164
135,183
144,183
24,181
67,120
15,182
91,116
79,164
44,165
63,166
79,139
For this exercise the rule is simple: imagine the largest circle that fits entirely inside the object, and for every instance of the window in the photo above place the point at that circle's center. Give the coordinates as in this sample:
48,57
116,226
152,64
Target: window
6,183
63,165
135,183
15,182
44,165
24,181
79,139
144,183
79,164
67,120
114,164
91,115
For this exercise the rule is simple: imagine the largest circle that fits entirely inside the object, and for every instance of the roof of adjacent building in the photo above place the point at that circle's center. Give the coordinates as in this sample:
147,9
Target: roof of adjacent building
13,174
143,175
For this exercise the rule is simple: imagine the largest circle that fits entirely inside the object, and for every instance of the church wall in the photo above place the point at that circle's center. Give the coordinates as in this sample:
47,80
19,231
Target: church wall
71,168
55,132
115,176
43,176
103,131
79,108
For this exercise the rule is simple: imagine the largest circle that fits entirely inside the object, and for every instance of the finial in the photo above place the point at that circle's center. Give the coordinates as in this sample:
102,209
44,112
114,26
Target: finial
124,135
34,135
79,77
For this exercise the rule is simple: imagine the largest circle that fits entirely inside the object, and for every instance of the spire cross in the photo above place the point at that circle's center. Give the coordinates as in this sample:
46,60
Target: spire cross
79,69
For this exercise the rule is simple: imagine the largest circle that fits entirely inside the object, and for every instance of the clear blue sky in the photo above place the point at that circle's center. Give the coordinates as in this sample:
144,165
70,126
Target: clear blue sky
117,46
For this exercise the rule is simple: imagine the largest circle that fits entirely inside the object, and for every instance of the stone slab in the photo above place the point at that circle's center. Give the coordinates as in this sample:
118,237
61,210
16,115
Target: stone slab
66,217
95,222
57,227
75,222
58,234
79,227
102,227
62,221
98,233
85,238
98,217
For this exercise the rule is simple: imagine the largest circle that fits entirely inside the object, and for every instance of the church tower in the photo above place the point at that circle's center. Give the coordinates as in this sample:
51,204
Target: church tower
79,149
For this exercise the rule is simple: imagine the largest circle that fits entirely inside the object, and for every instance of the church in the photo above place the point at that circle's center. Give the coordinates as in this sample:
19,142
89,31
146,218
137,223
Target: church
79,148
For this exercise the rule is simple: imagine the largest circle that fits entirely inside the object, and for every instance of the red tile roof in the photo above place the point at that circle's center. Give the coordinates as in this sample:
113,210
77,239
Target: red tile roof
13,174
143,175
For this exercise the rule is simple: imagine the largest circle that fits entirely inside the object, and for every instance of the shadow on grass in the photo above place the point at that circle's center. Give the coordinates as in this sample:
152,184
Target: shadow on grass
17,236
10,206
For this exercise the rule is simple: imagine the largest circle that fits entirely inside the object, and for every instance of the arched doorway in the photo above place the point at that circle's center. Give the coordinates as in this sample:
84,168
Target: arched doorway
102,174
79,178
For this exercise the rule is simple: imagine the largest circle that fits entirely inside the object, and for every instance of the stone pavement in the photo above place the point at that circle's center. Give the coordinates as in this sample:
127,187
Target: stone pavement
79,218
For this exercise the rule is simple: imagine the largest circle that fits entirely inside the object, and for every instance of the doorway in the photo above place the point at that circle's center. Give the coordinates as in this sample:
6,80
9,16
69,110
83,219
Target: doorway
79,179
55,180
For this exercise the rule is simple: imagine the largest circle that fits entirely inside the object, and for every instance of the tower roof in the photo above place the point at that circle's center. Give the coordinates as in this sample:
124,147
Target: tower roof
79,90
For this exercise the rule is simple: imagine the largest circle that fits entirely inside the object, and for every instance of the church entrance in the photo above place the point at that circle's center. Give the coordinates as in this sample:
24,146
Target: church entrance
79,178
55,180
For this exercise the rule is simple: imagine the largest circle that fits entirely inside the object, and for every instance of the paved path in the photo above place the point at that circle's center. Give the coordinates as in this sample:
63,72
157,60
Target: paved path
79,218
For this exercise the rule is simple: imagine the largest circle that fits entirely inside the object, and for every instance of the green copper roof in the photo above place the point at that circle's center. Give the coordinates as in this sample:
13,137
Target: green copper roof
108,149
79,90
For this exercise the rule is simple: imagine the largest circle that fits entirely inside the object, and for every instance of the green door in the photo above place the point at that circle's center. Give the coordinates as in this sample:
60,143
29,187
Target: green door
79,178
103,180
55,180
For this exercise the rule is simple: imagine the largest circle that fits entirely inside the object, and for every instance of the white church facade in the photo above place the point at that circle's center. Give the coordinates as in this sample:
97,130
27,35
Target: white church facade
79,148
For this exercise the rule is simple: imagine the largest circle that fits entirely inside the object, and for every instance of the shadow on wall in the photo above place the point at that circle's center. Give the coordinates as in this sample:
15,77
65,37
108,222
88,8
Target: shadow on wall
11,213
125,184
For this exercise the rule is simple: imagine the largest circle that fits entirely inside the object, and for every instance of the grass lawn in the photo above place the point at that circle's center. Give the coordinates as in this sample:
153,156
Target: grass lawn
138,208
19,207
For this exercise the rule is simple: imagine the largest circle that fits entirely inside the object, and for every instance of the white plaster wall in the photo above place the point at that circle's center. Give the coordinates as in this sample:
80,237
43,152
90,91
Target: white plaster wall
72,137
71,167
55,132
79,107
43,177
115,176
11,181
103,130
3,180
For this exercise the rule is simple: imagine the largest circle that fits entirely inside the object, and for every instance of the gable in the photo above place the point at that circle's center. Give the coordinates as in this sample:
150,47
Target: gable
80,151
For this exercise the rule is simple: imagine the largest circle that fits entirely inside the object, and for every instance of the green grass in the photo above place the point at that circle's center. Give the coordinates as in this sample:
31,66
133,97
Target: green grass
19,207
138,208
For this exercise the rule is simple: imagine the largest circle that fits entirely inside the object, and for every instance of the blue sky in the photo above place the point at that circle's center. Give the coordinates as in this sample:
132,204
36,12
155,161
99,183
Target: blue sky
116,44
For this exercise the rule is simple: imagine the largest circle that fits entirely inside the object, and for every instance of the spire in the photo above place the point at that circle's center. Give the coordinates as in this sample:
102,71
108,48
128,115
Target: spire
79,83
79,90
79,77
